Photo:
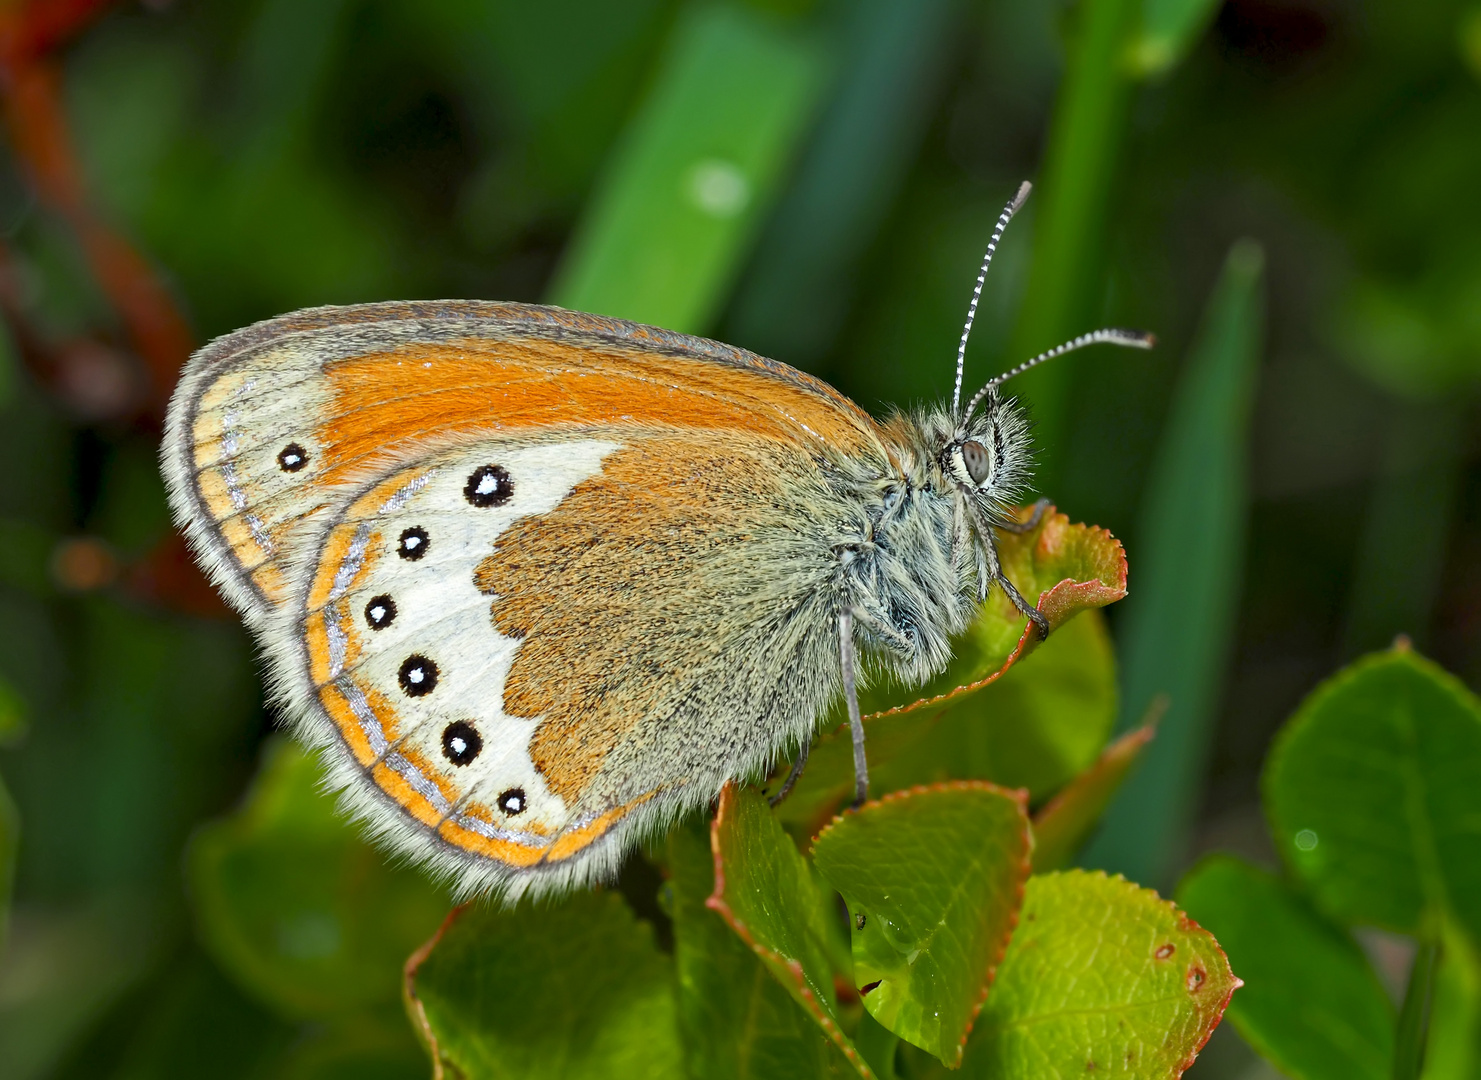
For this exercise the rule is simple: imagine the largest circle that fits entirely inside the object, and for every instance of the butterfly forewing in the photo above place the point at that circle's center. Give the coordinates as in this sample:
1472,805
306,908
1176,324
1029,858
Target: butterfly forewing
537,575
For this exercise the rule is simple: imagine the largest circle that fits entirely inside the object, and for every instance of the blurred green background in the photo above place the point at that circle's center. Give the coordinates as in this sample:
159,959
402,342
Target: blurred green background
1284,190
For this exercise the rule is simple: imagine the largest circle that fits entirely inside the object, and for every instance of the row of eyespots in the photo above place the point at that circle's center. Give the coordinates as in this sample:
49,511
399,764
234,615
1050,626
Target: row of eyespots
488,485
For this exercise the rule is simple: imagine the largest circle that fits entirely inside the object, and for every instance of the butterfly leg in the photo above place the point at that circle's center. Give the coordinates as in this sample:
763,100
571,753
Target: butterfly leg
1033,519
851,697
794,775
994,573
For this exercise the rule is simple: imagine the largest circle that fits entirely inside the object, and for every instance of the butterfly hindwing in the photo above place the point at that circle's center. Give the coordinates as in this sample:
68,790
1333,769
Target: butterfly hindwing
636,618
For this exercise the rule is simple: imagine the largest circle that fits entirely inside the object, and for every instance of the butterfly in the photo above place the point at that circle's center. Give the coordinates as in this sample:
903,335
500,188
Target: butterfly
539,582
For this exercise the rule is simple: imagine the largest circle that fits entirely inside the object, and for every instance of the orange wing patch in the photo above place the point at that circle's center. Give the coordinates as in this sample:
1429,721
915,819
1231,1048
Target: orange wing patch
269,420
421,391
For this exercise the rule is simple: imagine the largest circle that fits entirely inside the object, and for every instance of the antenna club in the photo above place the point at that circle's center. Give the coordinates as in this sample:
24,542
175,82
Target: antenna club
1022,197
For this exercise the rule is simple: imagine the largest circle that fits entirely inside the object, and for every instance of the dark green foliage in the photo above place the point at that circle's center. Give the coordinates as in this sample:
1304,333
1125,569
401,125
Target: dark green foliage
816,181
308,917
932,878
1311,1002
576,989
1371,796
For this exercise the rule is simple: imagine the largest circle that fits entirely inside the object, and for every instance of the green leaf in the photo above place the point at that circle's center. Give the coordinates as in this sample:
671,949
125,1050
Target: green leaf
1036,729
1168,31
1066,289
737,1020
1412,1030
1454,1050
1101,976
665,233
1372,796
933,878
574,990
1311,1002
1177,632
185,1020
765,891
12,715
10,842
370,1049
296,907
1066,821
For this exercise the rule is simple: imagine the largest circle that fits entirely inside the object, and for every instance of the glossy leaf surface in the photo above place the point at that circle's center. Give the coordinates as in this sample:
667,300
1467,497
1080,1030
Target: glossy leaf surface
738,1021
1372,795
575,990
1101,977
933,878
765,891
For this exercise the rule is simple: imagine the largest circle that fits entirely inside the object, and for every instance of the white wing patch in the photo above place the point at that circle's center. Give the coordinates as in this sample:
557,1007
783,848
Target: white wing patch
398,641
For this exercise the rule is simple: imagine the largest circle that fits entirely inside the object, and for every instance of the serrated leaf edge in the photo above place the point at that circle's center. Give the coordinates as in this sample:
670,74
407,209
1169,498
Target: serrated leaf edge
1055,599
774,960
1018,795
414,1007
1187,924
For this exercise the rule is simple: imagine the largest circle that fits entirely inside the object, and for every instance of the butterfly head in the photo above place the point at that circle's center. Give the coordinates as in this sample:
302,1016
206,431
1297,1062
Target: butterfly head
988,455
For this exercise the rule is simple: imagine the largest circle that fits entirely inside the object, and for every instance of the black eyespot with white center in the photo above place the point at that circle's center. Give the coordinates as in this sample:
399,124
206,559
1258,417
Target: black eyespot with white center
292,457
978,461
418,676
380,612
489,485
512,801
413,543
461,742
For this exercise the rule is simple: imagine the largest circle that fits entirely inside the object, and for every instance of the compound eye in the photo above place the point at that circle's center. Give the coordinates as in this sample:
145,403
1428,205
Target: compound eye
979,465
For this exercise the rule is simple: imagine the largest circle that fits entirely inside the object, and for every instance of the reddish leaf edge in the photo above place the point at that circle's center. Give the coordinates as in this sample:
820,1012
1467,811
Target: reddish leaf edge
414,1007
1187,924
1018,795
1059,603
774,960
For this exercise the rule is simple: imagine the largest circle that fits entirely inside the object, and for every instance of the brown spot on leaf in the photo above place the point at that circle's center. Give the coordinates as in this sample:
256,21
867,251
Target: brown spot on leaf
1195,979
1166,951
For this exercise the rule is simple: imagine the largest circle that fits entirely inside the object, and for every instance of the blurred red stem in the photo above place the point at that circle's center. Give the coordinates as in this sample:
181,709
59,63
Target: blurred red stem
31,84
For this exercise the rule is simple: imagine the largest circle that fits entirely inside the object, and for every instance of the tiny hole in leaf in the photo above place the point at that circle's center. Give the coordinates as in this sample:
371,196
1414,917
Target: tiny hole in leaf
1195,979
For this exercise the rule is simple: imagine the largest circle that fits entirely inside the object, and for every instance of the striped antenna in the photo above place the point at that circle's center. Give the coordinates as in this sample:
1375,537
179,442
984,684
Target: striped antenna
1131,339
992,245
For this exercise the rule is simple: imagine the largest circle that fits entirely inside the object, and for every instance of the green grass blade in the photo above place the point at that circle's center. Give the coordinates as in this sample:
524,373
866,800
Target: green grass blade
666,231
1073,199
795,295
1169,30
1180,618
